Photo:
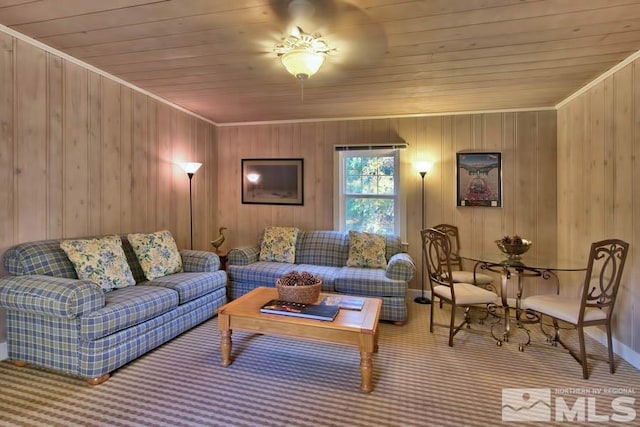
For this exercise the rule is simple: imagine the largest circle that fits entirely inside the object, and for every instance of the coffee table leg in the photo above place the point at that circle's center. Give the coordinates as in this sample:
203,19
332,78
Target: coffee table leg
367,347
225,347
366,368
225,339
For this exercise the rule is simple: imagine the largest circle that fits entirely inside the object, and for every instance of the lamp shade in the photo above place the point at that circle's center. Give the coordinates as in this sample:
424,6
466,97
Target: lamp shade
302,63
423,167
190,167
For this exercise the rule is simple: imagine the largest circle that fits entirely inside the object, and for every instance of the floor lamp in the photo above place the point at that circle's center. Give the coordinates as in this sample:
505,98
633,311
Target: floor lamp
190,168
423,168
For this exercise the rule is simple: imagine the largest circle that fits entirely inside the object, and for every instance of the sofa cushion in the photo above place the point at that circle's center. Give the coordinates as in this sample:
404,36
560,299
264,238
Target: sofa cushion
132,259
325,273
101,261
261,273
190,286
325,247
127,307
367,250
157,253
368,281
279,244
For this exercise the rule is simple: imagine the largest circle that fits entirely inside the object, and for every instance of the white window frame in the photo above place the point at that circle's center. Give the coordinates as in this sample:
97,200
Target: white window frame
340,197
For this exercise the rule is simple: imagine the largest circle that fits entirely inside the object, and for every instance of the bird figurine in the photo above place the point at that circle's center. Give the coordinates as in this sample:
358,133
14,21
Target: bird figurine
218,242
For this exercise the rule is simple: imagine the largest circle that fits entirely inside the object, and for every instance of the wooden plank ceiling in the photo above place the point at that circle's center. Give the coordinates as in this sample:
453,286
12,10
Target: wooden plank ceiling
215,57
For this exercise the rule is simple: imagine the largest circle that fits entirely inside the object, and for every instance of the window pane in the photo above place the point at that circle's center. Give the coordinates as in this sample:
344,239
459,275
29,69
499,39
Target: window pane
370,175
354,184
385,185
370,185
354,166
386,166
370,215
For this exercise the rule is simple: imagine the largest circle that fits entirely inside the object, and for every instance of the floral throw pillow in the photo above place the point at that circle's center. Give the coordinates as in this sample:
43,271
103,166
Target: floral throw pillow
101,261
157,253
367,250
279,244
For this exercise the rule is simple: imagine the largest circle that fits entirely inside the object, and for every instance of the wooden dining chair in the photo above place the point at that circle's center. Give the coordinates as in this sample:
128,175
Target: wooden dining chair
595,304
436,247
458,273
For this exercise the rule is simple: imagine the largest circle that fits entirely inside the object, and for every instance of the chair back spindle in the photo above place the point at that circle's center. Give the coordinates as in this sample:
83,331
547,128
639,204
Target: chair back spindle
604,274
437,253
451,231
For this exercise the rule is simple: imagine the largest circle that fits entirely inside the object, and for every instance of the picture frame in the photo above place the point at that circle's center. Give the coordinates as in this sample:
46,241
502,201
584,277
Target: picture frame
479,179
273,181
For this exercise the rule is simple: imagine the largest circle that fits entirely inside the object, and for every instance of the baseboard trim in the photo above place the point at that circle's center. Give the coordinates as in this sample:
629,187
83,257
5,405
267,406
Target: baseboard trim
414,293
619,348
4,351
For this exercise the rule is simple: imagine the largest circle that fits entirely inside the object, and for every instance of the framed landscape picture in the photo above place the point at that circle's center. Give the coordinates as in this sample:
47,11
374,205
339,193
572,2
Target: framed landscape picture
479,179
273,181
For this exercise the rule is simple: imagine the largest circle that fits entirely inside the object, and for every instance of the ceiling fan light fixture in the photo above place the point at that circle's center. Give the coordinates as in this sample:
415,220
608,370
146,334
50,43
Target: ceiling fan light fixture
302,63
302,54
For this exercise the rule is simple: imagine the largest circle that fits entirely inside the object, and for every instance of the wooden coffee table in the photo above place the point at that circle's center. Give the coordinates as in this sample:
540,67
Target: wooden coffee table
350,327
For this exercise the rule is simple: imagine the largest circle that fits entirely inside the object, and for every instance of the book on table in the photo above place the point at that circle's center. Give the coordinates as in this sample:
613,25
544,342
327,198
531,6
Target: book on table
308,311
346,302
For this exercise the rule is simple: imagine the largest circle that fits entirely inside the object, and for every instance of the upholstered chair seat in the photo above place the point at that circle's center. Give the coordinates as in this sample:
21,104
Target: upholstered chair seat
463,276
563,308
466,294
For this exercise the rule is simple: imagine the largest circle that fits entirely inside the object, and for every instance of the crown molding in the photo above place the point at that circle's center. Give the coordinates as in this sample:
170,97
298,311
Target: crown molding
103,73
399,116
599,79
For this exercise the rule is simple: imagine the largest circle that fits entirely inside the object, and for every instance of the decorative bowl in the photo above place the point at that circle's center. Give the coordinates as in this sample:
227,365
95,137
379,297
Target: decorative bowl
304,294
514,250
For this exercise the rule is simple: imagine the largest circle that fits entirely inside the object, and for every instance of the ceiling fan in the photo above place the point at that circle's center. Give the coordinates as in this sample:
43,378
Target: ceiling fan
317,29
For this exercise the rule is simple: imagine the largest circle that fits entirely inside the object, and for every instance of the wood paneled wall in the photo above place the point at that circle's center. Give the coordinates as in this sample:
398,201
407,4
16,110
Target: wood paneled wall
527,141
81,155
599,182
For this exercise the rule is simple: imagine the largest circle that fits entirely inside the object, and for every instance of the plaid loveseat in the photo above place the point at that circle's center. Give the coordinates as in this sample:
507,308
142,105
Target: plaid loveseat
324,253
58,322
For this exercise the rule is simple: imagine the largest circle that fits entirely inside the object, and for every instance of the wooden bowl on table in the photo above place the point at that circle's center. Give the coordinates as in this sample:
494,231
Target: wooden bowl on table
303,294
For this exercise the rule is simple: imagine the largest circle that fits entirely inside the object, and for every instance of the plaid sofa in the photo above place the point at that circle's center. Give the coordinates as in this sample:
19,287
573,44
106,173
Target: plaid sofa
58,322
325,254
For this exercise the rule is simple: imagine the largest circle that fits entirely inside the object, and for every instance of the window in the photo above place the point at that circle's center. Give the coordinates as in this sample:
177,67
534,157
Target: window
369,191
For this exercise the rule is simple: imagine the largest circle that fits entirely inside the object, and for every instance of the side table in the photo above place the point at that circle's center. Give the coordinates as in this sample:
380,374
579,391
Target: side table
223,259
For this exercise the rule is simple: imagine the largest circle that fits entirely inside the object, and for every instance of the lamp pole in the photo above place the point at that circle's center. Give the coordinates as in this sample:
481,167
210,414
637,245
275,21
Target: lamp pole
190,175
422,169
190,168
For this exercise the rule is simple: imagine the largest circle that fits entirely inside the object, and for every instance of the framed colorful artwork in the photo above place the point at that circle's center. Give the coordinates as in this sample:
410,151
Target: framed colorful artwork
479,179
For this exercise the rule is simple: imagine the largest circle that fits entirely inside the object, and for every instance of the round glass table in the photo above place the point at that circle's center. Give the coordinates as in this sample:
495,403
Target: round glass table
526,265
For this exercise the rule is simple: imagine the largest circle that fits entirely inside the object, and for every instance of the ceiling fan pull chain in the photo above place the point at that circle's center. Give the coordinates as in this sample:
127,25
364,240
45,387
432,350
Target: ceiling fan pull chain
301,91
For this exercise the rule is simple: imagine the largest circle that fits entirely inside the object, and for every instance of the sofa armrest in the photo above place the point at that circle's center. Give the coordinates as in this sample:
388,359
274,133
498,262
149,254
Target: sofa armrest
243,256
401,267
47,295
199,261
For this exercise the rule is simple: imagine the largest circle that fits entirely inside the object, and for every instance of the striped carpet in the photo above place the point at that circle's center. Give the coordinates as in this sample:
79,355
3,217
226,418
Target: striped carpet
418,381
